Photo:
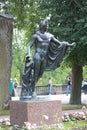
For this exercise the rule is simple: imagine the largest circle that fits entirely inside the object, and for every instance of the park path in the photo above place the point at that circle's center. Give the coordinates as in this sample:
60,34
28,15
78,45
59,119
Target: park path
65,99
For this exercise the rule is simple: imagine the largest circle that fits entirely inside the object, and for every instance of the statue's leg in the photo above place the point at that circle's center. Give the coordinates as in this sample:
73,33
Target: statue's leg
37,65
42,67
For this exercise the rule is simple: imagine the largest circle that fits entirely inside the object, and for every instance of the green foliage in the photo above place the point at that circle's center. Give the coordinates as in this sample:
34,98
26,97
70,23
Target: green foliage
68,22
18,54
25,14
59,76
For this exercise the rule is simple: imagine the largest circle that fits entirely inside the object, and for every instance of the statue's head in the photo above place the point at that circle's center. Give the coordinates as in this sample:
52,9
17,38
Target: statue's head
43,25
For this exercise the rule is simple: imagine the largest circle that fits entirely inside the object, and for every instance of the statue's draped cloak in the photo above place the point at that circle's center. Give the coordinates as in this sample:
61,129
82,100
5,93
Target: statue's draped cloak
56,51
55,55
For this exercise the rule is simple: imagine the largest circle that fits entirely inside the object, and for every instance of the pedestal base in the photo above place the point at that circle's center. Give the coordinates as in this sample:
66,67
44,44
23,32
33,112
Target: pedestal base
33,111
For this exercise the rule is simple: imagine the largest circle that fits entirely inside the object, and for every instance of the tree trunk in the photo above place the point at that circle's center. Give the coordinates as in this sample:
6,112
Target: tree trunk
77,72
6,29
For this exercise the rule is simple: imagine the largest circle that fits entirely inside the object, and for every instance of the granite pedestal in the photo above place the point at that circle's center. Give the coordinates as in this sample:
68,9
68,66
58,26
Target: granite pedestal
33,111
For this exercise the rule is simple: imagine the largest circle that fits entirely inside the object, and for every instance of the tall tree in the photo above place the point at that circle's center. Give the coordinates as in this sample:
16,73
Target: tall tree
18,54
69,22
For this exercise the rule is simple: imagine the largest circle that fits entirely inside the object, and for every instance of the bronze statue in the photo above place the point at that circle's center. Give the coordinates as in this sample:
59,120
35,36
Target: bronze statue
48,55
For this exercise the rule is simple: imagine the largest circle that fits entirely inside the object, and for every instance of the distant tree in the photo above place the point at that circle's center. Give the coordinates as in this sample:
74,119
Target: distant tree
18,54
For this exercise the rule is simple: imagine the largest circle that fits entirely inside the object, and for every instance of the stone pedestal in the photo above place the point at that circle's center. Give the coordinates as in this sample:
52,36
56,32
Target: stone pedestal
33,111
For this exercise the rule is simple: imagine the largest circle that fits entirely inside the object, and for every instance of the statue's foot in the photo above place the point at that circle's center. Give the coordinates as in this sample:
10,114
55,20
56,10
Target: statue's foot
34,95
23,93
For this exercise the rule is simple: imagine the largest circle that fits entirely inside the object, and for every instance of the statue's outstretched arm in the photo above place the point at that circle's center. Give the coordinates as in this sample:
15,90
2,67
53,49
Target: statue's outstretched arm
64,42
71,45
68,44
56,40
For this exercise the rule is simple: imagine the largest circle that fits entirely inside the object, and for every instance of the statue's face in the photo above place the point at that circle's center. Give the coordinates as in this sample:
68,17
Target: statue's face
44,25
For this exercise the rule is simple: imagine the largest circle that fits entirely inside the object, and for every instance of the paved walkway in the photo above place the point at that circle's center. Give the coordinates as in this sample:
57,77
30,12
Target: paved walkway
4,117
64,100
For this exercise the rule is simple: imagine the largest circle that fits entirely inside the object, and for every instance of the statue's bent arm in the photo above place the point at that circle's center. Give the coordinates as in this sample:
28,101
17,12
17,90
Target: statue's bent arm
31,44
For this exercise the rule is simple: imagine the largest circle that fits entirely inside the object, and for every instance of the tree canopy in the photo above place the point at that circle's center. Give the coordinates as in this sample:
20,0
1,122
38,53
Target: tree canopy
68,21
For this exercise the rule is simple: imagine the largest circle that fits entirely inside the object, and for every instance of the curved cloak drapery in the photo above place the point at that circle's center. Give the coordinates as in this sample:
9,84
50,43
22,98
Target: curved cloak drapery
55,55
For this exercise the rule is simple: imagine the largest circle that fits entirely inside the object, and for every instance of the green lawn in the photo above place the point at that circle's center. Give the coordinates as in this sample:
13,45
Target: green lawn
4,112
72,107
74,124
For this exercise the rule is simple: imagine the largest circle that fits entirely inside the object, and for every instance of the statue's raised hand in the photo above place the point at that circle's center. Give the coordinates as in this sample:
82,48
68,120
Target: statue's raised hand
73,44
27,58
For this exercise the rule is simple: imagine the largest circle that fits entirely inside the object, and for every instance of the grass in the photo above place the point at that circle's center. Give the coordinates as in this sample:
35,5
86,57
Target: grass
72,107
74,124
4,112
